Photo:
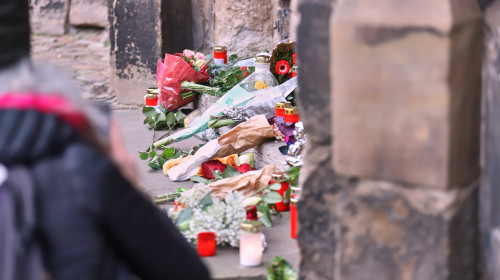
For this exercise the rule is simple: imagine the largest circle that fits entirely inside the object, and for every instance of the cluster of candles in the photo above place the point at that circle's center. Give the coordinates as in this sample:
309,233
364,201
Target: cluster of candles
251,247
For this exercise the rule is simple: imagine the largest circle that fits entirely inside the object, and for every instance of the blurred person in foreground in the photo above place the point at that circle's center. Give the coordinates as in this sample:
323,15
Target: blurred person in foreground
91,222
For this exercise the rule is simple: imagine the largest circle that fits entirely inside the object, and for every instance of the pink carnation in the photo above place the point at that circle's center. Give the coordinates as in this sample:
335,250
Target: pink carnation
188,53
199,56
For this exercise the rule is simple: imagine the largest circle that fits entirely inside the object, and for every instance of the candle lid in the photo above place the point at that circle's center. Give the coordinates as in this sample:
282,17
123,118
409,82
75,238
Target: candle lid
291,111
262,58
280,105
287,104
220,48
151,96
294,200
251,226
150,90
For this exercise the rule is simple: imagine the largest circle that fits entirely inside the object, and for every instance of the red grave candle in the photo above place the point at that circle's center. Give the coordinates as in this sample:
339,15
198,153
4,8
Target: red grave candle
206,244
293,218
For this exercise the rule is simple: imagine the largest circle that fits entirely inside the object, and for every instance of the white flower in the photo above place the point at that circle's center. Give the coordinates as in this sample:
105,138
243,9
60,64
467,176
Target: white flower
222,217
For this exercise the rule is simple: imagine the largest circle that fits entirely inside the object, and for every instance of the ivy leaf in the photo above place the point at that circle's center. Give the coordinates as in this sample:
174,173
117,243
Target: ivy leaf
161,160
143,156
275,186
205,201
154,165
152,154
169,153
184,216
148,111
230,172
200,179
170,119
272,197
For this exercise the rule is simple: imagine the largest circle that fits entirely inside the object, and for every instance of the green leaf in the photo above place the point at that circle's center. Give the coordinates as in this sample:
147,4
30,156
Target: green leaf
147,121
200,179
216,175
143,156
266,218
169,153
177,154
275,186
154,165
230,172
152,154
161,160
184,216
170,119
161,117
233,57
272,197
179,116
205,201
148,111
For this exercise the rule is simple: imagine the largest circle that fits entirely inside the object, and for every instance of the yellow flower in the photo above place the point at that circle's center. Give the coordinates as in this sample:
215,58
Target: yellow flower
260,85
229,160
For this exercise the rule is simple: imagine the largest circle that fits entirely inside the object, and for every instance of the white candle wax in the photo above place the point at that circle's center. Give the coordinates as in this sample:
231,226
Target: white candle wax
250,248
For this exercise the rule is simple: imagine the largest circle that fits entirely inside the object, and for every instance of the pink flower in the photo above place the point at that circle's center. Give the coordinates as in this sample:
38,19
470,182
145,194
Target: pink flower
199,56
188,53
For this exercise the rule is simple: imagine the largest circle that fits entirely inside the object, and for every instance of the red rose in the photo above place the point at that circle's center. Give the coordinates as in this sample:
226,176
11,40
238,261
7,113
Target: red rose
244,68
282,67
244,168
252,213
207,167
294,58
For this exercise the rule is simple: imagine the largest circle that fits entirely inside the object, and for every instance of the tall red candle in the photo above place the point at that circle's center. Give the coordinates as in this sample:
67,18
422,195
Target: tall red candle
293,218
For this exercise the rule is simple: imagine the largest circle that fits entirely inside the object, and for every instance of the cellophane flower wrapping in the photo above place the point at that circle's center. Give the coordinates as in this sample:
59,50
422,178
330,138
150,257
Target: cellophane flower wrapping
223,217
170,73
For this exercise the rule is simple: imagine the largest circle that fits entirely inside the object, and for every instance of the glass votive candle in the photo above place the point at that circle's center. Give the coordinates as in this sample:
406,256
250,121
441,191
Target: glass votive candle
251,243
206,244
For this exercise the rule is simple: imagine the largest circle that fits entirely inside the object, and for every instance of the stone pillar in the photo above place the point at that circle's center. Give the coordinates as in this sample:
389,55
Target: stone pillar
317,204
49,16
406,119
141,32
490,187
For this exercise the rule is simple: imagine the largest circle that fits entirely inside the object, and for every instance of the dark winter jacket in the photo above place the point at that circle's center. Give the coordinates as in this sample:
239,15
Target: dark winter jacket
92,222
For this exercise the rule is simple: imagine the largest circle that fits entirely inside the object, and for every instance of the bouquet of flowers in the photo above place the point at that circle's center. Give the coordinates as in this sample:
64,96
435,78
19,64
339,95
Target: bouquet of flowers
199,212
283,60
175,69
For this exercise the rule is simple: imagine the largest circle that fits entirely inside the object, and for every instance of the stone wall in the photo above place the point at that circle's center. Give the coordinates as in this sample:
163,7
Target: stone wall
371,206
244,27
54,17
